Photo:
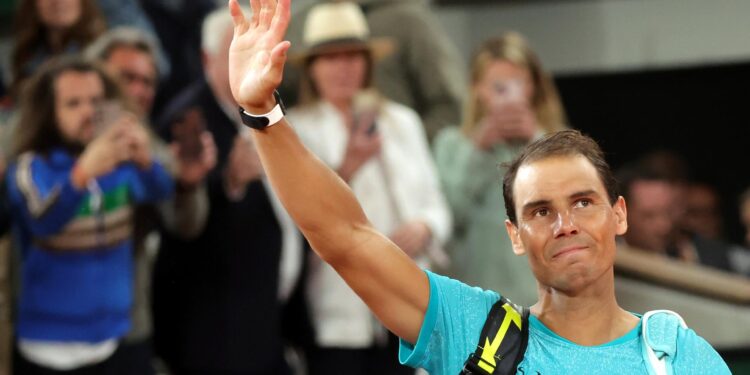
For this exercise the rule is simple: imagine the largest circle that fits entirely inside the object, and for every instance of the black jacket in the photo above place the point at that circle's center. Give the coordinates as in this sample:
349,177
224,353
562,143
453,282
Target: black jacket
215,298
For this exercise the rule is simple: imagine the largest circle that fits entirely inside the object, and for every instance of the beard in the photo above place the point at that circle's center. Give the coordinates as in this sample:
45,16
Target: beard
74,147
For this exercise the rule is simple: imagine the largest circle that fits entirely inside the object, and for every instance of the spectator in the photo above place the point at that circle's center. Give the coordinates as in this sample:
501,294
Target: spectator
218,297
47,28
656,203
653,209
130,55
379,148
703,211
745,214
73,188
423,73
177,24
512,101
130,13
740,257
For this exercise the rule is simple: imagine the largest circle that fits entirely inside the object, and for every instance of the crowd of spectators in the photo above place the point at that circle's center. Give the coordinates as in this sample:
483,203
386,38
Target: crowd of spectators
144,237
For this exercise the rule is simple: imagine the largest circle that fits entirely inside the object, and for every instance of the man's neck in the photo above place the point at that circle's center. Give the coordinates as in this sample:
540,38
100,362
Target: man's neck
589,317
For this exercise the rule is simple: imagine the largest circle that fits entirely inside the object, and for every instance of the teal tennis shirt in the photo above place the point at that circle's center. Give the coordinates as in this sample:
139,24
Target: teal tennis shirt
456,314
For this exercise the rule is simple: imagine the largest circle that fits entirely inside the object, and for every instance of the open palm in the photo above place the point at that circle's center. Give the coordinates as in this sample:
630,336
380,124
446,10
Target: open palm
258,53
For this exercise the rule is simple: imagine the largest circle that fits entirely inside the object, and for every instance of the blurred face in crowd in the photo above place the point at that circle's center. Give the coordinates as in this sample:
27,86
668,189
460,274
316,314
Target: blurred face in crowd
702,215
59,14
339,76
503,82
652,207
77,94
745,216
137,73
216,67
565,223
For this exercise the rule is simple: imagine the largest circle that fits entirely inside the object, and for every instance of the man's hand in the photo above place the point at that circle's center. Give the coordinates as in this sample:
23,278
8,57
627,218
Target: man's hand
258,53
243,166
139,142
360,148
104,153
515,121
192,169
412,237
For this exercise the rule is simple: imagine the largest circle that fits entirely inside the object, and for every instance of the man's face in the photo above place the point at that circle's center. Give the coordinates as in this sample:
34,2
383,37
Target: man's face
137,73
745,216
77,94
566,224
652,213
702,214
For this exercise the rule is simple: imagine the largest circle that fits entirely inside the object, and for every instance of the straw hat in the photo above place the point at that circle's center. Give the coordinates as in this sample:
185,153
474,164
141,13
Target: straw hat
340,27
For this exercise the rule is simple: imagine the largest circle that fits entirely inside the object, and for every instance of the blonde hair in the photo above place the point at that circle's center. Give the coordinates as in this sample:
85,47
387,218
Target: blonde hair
512,47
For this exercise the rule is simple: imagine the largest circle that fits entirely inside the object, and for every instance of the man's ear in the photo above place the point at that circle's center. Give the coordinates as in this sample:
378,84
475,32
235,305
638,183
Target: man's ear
515,238
621,215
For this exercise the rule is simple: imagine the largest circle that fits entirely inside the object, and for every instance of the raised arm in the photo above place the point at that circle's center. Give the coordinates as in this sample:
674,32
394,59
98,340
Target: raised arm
322,205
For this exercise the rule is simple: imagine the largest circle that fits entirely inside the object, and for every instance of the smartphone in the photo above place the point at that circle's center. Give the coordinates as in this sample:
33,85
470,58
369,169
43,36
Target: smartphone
367,106
105,115
187,131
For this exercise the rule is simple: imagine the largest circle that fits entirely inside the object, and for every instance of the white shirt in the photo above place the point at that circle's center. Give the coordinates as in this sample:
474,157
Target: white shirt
399,186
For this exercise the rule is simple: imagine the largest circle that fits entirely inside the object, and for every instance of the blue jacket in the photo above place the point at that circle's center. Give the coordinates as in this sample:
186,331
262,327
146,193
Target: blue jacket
76,273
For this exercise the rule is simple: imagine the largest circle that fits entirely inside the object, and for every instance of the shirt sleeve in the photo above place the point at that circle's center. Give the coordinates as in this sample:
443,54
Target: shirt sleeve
432,207
44,201
451,327
466,172
695,356
152,184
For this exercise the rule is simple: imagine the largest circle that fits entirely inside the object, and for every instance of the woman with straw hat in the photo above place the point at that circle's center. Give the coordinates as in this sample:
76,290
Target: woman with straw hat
379,148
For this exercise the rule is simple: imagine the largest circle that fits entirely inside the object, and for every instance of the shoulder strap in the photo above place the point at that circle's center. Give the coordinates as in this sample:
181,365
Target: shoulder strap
659,339
502,342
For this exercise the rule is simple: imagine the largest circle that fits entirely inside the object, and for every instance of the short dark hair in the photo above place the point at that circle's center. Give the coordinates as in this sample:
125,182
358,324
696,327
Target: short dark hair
562,143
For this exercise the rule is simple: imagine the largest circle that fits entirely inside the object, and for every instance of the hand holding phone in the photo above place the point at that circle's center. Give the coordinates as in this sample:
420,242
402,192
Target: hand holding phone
366,109
106,114
186,131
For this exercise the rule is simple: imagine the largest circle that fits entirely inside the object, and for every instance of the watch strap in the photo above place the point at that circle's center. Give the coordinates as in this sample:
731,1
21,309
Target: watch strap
264,120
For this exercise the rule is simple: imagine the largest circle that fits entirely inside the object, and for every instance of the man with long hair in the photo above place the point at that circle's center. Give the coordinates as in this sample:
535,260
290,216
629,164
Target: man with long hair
72,188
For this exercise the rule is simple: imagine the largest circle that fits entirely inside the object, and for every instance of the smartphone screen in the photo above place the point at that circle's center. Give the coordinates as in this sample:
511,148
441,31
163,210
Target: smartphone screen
367,106
105,115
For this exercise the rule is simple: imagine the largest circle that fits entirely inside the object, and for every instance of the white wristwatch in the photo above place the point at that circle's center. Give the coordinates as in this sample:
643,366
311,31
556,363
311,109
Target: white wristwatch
263,121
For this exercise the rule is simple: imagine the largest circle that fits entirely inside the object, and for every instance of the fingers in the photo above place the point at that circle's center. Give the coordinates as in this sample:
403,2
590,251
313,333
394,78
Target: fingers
174,151
281,17
209,150
267,9
278,59
255,5
122,150
238,17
